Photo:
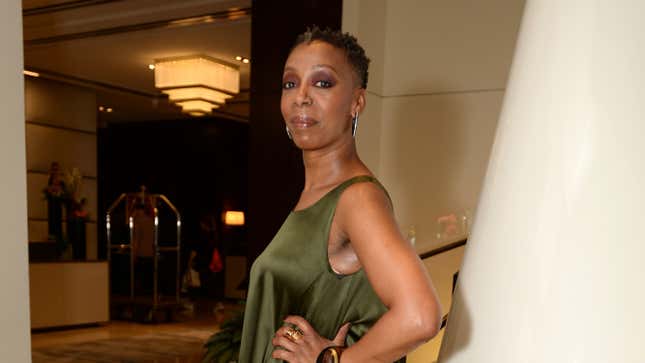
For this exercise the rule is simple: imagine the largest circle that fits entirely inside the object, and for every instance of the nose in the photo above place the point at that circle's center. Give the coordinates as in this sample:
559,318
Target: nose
302,97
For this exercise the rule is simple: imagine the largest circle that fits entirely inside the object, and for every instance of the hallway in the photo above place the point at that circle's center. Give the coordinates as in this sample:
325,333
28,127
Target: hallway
121,341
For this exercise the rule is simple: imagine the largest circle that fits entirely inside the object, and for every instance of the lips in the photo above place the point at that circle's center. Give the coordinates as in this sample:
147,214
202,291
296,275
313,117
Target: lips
302,122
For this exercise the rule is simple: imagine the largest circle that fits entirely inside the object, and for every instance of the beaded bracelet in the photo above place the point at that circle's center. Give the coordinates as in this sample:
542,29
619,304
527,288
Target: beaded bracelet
330,355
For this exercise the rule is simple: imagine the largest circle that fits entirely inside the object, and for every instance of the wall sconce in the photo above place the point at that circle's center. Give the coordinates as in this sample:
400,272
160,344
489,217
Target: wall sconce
233,218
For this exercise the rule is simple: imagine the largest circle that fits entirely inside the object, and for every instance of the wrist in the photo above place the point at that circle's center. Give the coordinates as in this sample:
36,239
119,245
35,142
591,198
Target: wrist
330,355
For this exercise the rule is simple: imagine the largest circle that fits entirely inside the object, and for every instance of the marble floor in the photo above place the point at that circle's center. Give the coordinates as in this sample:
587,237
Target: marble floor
130,342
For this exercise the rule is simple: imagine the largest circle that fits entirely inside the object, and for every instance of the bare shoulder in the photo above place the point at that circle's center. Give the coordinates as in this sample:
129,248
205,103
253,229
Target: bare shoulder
365,193
365,201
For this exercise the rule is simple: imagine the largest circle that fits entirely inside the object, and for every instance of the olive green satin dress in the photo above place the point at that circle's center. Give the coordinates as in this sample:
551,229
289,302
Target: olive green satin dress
293,277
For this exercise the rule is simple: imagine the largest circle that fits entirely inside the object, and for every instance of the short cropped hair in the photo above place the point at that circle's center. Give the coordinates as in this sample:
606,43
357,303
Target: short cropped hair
343,41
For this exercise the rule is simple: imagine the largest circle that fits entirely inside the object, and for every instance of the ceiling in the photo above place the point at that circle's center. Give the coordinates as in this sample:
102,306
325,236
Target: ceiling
107,45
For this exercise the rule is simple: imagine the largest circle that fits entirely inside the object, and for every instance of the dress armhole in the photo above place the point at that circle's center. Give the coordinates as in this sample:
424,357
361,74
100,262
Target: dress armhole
341,190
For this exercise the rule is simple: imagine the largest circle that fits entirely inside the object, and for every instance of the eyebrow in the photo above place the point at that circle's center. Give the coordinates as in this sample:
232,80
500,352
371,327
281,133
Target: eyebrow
325,66
314,67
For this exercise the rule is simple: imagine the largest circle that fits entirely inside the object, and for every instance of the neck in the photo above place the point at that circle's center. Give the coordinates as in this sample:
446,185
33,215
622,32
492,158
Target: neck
331,165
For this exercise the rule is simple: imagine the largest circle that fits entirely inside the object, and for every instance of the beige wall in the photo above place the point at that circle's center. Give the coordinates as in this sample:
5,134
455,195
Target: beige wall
14,305
437,79
61,126
371,32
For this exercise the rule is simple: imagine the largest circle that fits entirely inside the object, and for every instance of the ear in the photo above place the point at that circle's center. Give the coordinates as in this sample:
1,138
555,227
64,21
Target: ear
360,101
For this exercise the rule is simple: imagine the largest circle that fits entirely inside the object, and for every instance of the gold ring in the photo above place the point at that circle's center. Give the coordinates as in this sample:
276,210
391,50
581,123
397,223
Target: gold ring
293,334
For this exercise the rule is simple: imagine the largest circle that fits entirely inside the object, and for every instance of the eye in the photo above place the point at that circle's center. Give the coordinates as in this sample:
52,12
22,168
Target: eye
288,84
323,84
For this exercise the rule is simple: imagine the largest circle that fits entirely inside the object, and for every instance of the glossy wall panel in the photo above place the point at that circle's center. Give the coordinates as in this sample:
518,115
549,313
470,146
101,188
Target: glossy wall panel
58,104
60,126
91,245
70,148
37,210
37,204
38,232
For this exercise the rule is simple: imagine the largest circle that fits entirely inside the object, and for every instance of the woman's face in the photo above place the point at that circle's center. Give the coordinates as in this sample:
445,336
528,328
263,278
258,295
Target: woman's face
319,96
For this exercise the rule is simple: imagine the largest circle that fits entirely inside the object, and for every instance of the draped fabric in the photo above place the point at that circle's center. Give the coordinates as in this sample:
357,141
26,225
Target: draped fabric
293,277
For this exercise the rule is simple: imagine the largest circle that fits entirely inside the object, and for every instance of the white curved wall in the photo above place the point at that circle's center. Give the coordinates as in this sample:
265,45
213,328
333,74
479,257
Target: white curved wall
554,271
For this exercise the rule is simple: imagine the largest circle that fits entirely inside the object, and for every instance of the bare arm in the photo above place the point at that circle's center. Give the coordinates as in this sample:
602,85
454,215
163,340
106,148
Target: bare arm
394,271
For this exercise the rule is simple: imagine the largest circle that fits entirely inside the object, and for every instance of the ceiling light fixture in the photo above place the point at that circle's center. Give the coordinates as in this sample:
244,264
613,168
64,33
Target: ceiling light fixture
30,73
198,83
242,59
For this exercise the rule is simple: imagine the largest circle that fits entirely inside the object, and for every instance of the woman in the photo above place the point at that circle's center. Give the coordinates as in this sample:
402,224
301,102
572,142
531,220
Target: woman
338,279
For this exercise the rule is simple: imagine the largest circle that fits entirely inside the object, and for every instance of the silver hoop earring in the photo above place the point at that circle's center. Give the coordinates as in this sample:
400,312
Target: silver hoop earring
288,132
354,124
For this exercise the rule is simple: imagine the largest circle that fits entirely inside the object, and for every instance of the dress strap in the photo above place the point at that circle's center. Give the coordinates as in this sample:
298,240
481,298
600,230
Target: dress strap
361,179
329,200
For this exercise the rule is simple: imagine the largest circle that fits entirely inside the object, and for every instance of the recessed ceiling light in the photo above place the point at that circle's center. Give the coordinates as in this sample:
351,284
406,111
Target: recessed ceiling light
30,73
101,108
151,67
245,60
239,58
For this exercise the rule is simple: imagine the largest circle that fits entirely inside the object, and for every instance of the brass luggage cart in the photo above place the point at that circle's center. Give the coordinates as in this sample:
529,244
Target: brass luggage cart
141,212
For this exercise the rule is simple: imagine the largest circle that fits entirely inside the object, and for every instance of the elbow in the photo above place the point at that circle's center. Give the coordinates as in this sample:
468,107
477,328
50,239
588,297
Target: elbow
430,326
432,329
426,323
